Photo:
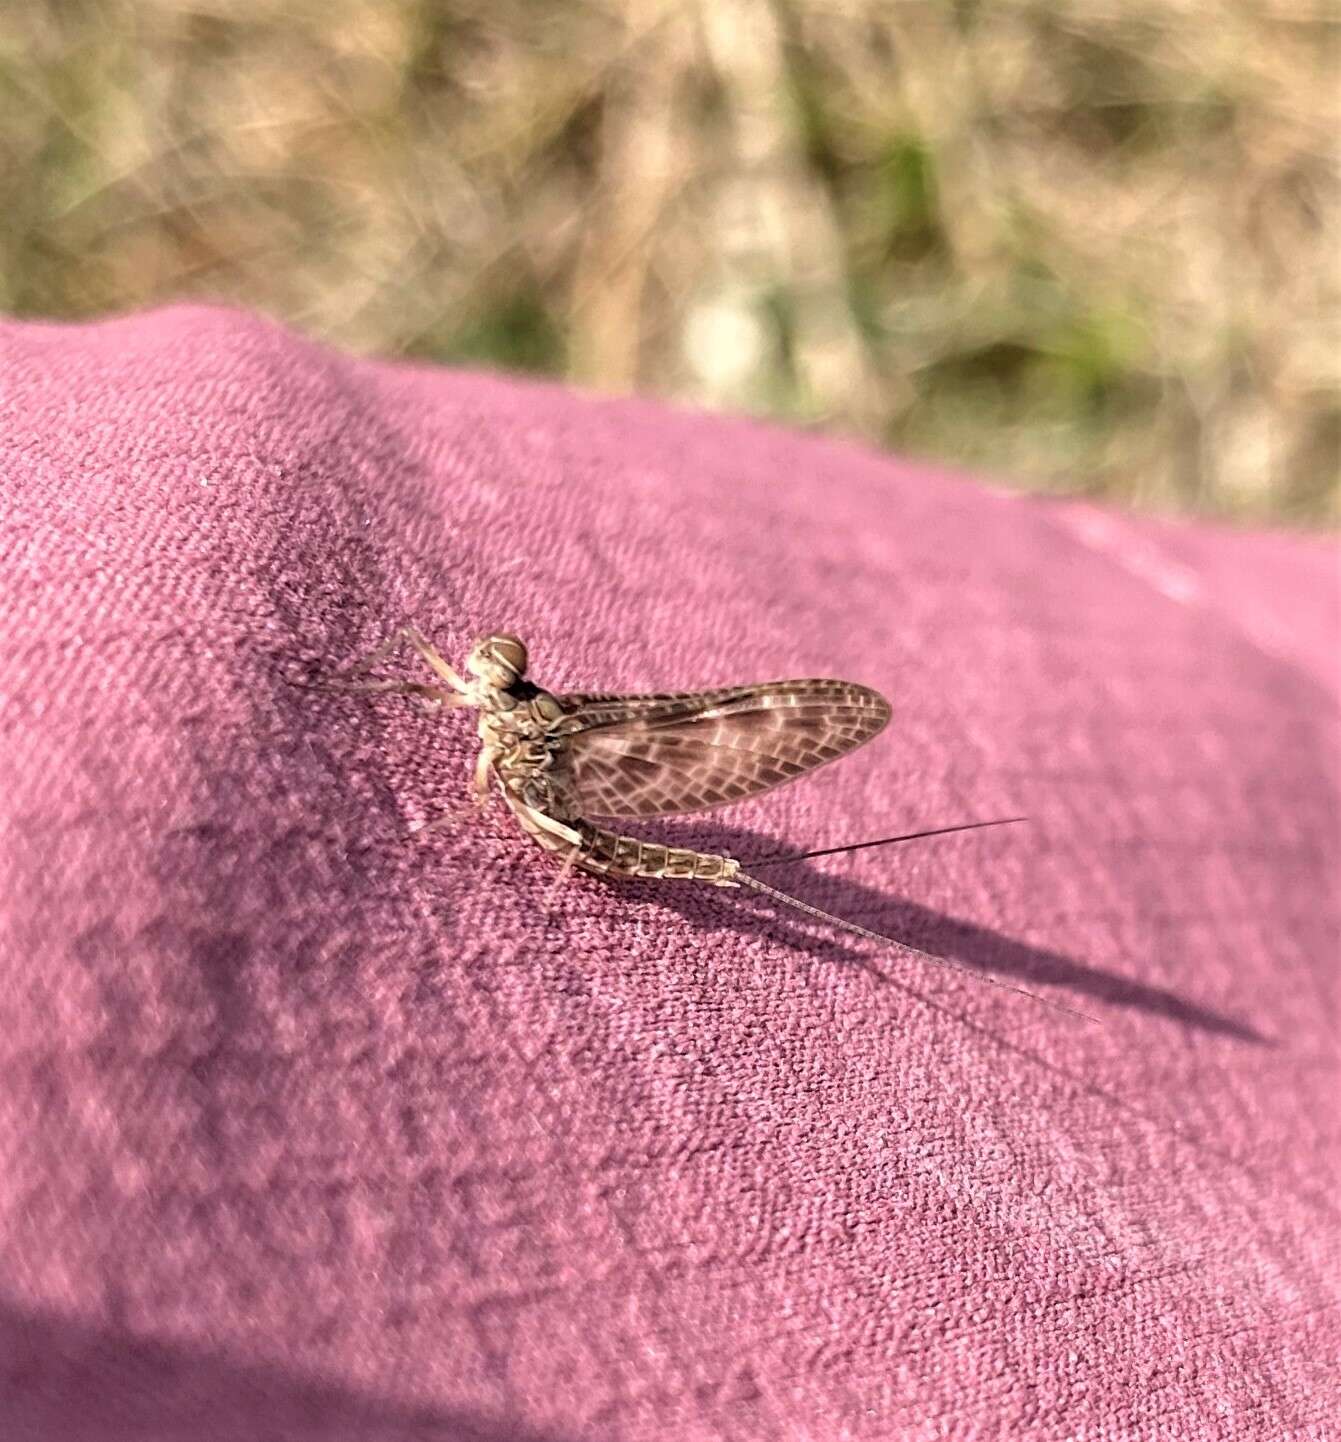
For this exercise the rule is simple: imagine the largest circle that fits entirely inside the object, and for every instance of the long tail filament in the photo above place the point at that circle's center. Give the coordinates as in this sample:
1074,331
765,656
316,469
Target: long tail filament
756,885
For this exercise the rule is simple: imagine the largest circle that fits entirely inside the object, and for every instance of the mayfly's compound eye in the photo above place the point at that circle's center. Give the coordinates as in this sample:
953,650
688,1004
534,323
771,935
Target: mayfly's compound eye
500,660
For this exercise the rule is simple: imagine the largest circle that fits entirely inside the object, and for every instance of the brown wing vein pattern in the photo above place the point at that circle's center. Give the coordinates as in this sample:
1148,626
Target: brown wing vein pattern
660,755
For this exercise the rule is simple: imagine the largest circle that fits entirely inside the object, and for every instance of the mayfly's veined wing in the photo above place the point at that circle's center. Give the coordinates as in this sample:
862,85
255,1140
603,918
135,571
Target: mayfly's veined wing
663,755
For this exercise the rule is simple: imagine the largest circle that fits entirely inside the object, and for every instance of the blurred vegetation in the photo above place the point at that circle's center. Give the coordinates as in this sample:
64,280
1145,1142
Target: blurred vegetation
1090,246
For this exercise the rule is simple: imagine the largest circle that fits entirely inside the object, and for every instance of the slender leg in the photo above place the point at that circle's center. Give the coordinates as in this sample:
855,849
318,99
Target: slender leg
434,658
483,770
438,694
428,652
481,793
447,818
564,872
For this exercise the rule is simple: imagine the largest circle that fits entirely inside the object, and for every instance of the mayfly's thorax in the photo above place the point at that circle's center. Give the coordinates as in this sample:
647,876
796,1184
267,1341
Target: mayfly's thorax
525,713
518,727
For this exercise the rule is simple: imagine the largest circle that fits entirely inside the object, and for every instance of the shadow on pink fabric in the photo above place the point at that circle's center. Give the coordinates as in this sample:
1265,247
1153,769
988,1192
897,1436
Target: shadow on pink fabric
314,1130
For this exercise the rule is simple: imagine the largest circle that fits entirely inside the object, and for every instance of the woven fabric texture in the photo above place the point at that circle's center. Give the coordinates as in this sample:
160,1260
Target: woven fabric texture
315,1128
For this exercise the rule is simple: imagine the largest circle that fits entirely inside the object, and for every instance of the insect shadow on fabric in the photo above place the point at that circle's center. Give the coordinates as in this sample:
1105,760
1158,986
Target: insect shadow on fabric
936,932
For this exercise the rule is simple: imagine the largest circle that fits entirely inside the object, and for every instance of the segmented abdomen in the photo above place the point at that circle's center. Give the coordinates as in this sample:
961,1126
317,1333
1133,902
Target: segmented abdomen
609,854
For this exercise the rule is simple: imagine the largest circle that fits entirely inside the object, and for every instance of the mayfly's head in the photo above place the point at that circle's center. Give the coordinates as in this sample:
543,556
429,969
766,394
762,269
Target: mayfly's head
498,661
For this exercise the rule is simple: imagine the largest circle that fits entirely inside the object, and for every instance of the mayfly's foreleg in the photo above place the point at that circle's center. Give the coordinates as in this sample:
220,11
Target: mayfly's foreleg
483,773
427,651
437,694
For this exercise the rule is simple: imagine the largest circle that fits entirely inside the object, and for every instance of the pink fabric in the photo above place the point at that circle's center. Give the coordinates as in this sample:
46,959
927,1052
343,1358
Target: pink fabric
310,1131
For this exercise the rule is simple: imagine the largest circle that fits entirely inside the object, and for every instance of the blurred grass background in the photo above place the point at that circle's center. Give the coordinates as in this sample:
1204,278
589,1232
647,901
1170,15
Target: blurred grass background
1086,246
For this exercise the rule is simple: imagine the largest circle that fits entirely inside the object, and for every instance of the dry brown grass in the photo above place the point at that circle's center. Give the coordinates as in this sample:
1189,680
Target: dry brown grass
1092,246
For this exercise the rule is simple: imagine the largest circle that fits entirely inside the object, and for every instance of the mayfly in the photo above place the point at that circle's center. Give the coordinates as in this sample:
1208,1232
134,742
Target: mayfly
558,760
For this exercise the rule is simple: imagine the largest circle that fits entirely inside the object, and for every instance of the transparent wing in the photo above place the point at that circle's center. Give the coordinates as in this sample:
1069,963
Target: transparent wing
663,754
